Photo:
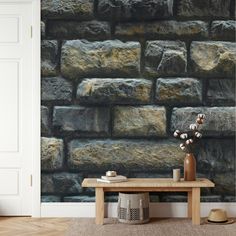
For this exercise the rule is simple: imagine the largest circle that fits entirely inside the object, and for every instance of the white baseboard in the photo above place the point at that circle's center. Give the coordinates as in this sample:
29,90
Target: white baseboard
174,209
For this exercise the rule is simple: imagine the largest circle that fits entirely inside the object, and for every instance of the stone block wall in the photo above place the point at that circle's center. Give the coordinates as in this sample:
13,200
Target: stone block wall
118,76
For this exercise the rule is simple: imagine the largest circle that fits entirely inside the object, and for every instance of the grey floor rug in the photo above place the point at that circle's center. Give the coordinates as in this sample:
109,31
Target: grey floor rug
156,227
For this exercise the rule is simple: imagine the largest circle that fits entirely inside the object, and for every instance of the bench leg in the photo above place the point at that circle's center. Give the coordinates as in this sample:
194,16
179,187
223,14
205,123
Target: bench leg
99,206
196,206
190,204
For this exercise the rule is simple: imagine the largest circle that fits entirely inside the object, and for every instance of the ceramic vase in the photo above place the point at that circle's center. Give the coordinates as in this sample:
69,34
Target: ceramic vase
189,167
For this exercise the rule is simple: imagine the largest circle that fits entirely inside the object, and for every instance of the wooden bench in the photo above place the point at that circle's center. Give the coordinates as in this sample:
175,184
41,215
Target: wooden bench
151,185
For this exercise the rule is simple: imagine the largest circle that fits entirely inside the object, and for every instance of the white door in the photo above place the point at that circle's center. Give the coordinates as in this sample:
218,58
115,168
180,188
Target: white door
15,109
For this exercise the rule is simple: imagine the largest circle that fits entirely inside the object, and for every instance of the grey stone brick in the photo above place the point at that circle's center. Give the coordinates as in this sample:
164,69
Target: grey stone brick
79,9
114,91
131,155
163,29
51,153
79,30
220,121
204,8
221,92
135,9
85,120
223,30
49,57
139,121
107,58
167,58
213,58
179,91
61,183
56,88
44,120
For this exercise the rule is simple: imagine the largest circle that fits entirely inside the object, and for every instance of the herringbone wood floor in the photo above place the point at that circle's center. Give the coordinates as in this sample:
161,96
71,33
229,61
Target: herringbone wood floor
27,226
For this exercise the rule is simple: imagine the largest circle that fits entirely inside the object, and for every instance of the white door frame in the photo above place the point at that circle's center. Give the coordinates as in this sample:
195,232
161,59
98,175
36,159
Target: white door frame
36,90
36,164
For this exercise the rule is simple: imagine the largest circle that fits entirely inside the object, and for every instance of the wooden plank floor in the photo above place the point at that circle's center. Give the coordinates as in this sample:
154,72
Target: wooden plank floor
27,226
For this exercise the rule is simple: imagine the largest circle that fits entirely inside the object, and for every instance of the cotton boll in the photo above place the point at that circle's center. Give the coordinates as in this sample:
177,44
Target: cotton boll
184,136
176,133
193,126
189,141
198,135
201,116
182,146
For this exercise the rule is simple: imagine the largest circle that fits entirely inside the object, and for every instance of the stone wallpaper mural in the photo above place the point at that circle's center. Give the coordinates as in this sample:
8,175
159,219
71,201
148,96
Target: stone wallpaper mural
119,76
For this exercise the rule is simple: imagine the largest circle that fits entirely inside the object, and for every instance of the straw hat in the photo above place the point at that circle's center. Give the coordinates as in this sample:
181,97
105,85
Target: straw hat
218,216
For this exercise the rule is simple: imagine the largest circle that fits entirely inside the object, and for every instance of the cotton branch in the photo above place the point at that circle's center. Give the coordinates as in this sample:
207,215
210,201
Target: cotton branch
189,138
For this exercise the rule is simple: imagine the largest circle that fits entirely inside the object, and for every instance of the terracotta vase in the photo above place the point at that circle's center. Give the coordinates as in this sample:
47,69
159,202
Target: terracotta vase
189,167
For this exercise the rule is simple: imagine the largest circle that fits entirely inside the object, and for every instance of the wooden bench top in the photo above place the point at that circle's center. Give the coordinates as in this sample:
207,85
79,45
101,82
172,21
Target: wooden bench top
149,183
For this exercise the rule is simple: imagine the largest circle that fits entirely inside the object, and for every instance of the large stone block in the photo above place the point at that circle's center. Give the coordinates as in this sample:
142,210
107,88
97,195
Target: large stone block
114,91
221,92
107,58
130,155
122,10
44,119
215,156
78,30
163,29
220,121
51,153
139,121
167,58
83,120
65,183
204,8
178,91
49,57
79,9
223,30
56,88
213,58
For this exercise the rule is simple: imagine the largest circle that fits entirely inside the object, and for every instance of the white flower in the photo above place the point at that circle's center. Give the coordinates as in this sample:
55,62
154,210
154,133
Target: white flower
198,135
184,136
201,116
193,126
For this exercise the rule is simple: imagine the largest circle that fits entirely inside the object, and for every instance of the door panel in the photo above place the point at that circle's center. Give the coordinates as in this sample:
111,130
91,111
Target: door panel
12,186
10,26
9,91
15,109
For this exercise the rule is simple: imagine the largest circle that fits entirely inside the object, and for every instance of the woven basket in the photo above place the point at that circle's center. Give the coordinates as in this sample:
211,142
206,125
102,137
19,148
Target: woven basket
133,208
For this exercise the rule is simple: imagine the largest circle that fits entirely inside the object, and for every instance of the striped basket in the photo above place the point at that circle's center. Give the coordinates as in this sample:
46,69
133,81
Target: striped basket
133,208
